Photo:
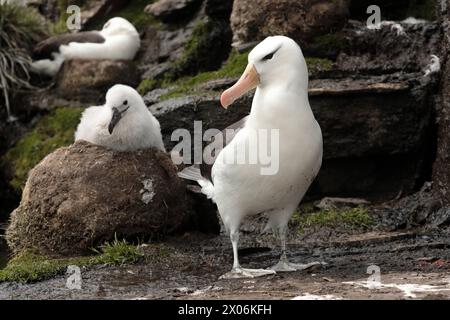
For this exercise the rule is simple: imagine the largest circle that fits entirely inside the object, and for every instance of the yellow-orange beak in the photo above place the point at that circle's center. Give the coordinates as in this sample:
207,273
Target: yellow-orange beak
248,81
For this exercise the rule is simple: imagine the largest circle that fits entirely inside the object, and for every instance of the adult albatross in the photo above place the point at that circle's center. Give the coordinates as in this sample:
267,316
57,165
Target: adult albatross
118,40
278,70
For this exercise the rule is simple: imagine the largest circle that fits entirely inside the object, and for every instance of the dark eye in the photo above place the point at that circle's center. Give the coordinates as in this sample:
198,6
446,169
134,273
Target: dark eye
125,102
268,57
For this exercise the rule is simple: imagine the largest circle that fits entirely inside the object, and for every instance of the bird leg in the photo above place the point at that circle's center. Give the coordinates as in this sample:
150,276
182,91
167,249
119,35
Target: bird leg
238,272
284,265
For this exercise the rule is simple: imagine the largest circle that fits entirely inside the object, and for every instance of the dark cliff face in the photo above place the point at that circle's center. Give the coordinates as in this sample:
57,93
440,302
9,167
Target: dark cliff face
441,167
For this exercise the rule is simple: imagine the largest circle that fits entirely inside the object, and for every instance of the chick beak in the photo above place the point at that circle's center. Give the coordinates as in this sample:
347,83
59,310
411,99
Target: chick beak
117,115
248,81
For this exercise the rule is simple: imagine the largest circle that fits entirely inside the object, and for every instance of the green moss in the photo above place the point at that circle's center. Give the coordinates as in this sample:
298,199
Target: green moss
147,85
51,132
29,266
355,218
422,9
60,26
318,64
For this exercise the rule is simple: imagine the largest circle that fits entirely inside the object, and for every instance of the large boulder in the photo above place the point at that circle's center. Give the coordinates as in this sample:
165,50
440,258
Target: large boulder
173,10
299,19
88,80
82,195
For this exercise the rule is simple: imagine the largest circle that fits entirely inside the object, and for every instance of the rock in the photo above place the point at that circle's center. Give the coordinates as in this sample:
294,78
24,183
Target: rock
219,84
173,10
208,47
197,43
299,19
418,209
383,51
88,80
153,96
328,203
82,195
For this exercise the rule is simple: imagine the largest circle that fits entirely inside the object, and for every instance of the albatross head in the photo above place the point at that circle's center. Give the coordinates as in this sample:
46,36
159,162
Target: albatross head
118,26
276,61
123,101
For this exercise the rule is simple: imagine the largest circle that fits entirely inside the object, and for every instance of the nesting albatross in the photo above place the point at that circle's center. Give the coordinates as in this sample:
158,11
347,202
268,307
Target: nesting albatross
124,123
118,40
278,70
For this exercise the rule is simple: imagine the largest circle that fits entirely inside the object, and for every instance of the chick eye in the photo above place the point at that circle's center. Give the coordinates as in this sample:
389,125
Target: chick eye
268,57
125,102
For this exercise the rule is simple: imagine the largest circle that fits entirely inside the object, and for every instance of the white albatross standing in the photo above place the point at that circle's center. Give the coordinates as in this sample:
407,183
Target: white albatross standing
118,40
124,123
278,70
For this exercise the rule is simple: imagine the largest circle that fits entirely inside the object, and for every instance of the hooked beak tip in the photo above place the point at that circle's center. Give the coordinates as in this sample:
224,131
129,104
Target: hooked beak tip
224,101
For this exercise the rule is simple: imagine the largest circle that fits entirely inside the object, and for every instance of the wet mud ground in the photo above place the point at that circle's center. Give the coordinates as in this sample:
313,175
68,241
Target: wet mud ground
412,265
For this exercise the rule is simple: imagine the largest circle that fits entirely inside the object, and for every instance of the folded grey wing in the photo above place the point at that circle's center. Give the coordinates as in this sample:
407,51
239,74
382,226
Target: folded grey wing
204,170
46,48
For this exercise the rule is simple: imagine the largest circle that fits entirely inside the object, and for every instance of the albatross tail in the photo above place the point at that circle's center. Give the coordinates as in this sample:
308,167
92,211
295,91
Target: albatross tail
193,173
47,66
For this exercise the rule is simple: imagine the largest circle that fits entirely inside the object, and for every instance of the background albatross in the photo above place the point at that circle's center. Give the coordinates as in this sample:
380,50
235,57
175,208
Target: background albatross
278,70
118,40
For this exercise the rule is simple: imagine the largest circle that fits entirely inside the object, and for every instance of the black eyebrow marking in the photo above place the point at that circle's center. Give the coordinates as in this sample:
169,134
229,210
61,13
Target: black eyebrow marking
270,55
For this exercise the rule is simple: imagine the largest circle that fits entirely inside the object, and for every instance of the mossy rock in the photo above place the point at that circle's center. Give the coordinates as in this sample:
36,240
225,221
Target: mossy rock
232,68
51,132
327,46
206,49
317,65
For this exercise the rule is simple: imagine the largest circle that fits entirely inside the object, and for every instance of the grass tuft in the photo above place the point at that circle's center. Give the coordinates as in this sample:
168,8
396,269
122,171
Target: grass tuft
119,252
355,218
20,27
28,266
